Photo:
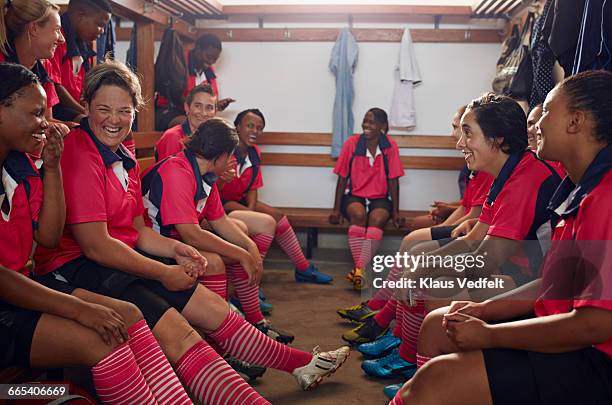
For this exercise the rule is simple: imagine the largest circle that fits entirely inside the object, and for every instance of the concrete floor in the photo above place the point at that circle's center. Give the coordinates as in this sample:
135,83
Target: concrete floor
309,311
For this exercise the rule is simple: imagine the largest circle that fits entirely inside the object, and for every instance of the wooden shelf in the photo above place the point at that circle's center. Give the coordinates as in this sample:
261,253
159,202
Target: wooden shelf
361,35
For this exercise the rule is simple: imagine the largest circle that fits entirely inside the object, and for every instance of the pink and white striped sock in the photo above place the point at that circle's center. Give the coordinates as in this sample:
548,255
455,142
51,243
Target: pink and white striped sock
385,294
384,317
263,243
243,341
356,235
155,367
421,360
285,237
216,283
248,295
212,381
371,243
397,400
411,326
118,379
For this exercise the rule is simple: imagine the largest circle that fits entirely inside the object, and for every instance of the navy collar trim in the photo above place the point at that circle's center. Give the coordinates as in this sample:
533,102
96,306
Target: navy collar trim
573,194
360,149
74,46
108,156
38,69
18,166
251,153
208,178
209,72
504,175
186,127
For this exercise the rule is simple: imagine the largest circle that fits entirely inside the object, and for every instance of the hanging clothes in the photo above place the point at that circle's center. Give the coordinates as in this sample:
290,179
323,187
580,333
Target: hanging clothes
565,30
107,42
407,75
131,59
342,64
542,57
593,50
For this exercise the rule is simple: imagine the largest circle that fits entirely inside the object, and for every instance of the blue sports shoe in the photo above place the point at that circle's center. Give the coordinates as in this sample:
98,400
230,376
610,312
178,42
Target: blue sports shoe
264,307
380,347
391,390
312,275
390,366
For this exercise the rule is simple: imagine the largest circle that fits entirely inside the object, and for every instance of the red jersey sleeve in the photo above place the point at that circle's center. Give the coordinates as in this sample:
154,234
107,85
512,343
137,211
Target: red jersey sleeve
36,197
342,165
213,209
177,201
593,234
169,144
505,222
84,176
52,97
396,169
54,64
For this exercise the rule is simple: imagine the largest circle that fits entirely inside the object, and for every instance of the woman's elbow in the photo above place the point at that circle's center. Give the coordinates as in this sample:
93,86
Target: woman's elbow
48,240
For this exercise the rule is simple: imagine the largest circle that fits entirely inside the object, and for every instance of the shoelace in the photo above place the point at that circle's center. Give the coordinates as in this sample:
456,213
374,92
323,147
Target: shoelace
388,359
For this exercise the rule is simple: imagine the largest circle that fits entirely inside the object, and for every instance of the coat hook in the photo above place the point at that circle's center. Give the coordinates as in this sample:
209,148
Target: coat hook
229,34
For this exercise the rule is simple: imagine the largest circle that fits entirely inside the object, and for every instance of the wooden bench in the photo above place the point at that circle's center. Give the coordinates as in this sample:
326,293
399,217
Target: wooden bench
145,143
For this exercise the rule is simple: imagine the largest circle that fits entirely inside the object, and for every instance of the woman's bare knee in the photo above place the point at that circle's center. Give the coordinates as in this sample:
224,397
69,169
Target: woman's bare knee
215,264
175,335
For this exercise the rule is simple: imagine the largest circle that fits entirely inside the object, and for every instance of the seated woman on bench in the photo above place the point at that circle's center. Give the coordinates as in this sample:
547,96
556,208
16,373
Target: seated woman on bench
43,327
367,192
239,195
480,353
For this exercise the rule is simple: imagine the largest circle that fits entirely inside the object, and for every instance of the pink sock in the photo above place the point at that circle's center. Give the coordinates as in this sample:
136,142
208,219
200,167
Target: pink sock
243,341
285,237
356,235
263,243
385,294
371,243
216,283
397,400
248,295
212,381
411,325
118,379
421,360
384,317
154,365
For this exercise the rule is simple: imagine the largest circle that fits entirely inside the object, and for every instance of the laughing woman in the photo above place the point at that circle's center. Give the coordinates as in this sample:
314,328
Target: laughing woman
41,327
239,195
105,246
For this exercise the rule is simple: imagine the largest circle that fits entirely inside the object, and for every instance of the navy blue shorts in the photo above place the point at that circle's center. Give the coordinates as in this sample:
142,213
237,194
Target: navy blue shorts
369,204
150,296
523,377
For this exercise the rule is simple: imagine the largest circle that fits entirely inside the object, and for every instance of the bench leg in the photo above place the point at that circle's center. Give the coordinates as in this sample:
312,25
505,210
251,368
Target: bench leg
311,241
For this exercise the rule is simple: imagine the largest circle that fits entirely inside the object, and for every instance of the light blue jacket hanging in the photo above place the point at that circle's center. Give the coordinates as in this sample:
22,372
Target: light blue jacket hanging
342,63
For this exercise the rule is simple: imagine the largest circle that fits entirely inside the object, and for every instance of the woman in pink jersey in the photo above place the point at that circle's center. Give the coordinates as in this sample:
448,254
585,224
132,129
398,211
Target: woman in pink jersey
53,327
